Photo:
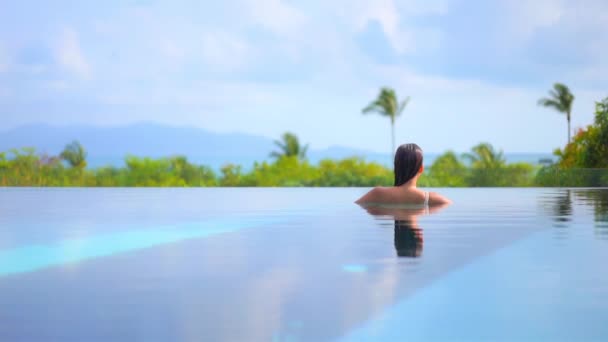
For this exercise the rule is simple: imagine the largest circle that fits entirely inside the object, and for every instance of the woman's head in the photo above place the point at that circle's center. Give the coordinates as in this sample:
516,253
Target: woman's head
408,163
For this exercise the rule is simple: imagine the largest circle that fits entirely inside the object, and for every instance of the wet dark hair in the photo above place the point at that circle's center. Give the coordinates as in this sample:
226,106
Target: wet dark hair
408,160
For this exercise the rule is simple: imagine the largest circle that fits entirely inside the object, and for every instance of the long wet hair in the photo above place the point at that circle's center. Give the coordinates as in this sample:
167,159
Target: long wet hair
408,160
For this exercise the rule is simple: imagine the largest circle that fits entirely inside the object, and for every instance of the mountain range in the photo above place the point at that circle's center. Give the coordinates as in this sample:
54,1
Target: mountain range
109,145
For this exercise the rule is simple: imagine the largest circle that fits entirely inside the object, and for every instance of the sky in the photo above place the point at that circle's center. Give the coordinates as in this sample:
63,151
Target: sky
474,69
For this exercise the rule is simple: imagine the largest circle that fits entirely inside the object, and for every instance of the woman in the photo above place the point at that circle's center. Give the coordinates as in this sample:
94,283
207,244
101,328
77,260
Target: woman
408,167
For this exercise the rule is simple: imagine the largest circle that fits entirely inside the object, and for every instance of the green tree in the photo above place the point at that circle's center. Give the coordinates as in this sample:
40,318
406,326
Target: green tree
486,165
386,104
589,147
231,175
517,174
353,172
448,170
75,154
484,156
289,146
560,98
284,171
190,174
148,172
595,153
583,161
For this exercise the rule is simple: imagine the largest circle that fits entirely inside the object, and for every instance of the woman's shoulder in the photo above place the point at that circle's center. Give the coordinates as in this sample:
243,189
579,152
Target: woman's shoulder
438,199
374,195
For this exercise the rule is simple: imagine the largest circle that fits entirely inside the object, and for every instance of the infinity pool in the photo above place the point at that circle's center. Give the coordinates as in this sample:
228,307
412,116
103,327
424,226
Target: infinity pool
301,264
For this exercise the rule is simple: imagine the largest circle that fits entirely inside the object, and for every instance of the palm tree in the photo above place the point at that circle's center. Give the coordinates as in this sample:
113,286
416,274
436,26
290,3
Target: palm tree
75,155
561,100
386,104
289,146
484,156
487,166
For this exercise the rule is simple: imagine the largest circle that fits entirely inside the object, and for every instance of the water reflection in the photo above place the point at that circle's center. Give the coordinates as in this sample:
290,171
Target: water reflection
409,239
563,204
557,203
598,200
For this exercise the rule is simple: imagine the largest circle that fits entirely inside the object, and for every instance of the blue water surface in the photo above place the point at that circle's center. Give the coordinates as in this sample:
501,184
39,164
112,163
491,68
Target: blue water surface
298,264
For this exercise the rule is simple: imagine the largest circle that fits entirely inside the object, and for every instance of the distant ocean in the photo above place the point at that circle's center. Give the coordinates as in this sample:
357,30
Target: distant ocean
247,162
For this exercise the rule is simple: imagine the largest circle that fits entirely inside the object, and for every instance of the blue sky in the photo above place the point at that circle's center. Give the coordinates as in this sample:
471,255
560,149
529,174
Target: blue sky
473,69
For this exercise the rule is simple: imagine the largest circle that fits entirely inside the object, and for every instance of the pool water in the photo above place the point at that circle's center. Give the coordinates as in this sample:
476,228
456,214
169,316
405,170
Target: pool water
298,264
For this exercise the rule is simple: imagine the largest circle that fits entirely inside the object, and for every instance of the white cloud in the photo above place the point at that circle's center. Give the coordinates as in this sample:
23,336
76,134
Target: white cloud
394,18
172,64
69,54
223,50
588,25
276,16
526,17
564,37
204,94
590,16
385,12
423,7
176,42
561,20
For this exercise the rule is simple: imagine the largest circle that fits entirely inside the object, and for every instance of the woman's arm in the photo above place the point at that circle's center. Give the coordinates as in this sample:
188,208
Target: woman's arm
436,199
370,196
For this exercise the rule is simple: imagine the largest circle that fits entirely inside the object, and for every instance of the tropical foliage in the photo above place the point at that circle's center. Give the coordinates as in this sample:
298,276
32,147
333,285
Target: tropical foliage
483,166
75,155
487,166
448,170
386,104
589,149
584,161
289,146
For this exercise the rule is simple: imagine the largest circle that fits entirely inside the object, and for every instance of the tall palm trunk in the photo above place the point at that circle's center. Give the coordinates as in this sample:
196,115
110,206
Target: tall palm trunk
393,137
569,127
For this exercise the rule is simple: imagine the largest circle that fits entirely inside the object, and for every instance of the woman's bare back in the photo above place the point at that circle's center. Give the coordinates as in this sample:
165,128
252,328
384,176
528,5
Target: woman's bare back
402,195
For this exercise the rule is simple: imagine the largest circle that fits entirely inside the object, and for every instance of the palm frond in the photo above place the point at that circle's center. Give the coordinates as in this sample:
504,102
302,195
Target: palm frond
561,89
275,155
483,155
374,107
552,103
75,154
560,98
289,146
403,105
386,104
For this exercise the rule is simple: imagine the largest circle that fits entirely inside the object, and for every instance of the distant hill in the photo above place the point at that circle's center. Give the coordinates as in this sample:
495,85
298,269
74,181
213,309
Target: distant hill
109,145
